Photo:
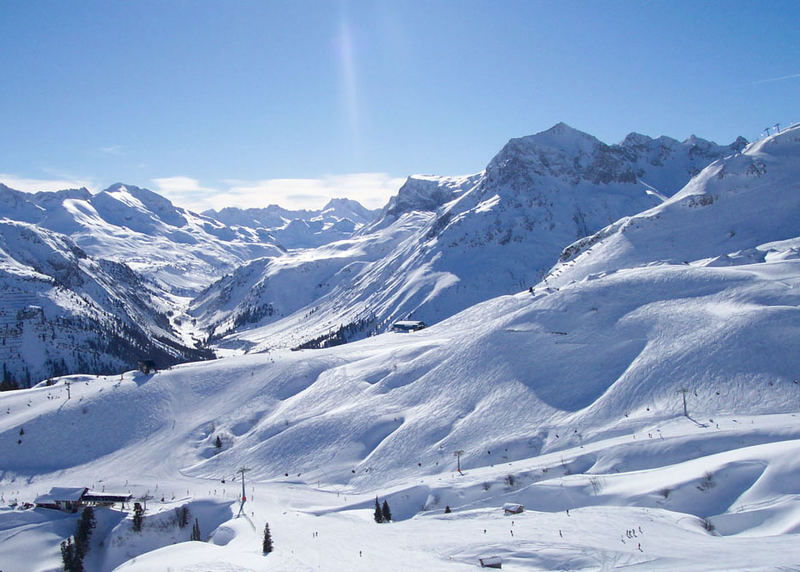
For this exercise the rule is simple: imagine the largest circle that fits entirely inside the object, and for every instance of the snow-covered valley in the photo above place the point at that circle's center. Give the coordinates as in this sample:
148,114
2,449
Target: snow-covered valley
640,400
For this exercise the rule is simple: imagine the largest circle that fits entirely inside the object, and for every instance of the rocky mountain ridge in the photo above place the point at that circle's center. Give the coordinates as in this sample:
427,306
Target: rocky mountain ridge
472,237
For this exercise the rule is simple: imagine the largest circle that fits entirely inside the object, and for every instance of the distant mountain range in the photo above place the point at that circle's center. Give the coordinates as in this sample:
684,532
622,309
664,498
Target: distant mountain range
301,228
93,282
259,279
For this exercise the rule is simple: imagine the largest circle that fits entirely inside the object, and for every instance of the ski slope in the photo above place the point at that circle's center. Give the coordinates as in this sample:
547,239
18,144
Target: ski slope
566,398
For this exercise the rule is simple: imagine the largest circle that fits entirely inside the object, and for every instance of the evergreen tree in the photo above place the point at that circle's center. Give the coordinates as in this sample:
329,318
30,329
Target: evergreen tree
378,514
138,511
267,544
196,531
83,532
183,516
387,514
218,443
69,556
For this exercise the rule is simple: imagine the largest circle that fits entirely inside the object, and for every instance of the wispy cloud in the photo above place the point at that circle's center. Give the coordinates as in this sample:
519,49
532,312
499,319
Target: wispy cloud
781,78
115,150
186,192
30,185
370,189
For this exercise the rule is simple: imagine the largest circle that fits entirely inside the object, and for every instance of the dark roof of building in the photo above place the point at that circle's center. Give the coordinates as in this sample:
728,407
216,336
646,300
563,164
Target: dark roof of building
107,497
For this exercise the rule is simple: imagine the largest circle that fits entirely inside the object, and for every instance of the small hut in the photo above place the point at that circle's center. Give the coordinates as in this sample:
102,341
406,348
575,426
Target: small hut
491,562
513,508
408,326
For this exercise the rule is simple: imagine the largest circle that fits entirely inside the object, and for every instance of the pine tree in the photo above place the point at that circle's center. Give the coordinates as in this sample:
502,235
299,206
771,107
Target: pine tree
267,544
196,531
378,514
70,558
67,554
183,516
83,532
387,514
138,511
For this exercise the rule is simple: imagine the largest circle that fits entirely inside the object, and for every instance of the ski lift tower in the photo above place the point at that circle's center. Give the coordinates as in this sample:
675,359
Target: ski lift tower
243,470
457,455
146,497
683,390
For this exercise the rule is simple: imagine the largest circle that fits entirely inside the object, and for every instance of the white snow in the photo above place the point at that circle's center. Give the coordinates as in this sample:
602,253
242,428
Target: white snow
567,399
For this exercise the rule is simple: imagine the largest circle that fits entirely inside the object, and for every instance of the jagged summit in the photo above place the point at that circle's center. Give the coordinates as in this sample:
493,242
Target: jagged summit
427,193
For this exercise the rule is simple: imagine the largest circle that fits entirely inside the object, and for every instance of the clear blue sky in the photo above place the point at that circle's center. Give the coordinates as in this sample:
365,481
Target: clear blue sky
234,101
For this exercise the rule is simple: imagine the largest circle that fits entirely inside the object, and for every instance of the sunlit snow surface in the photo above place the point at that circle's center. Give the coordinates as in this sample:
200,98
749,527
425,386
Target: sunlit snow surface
566,399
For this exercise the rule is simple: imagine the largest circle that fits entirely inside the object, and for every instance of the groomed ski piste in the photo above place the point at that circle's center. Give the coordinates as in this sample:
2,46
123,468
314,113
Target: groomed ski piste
567,399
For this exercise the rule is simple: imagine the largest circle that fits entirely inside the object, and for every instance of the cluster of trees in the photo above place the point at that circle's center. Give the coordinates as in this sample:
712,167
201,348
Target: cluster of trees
74,548
342,335
73,553
382,512
251,315
8,382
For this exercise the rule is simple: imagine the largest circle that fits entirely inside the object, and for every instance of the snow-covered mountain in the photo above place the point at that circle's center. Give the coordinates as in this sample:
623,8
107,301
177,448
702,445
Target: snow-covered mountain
172,251
738,211
293,229
472,238
567,399
62,311
619,329
439,246
180,250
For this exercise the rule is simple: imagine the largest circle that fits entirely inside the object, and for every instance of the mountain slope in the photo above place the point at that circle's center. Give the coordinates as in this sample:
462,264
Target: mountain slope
484,235
740,210
567,399
62,311
180,250
526,374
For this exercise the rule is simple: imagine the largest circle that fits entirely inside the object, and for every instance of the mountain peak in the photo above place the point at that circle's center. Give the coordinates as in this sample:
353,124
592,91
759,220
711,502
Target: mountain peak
560,138
562,129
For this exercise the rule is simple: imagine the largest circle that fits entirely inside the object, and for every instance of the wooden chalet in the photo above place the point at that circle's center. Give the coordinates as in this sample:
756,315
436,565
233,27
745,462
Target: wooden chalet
70,499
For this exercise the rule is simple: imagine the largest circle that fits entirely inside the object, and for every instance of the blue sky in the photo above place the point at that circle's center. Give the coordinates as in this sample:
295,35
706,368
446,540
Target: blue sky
249,103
